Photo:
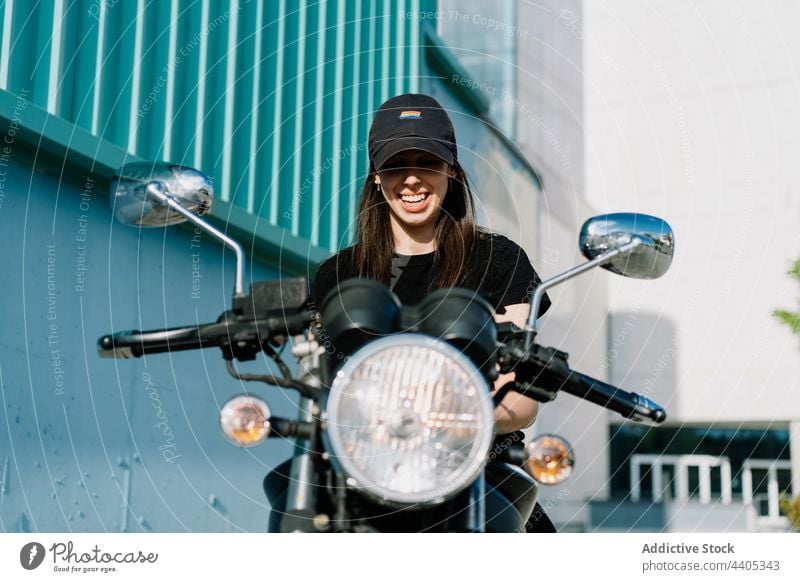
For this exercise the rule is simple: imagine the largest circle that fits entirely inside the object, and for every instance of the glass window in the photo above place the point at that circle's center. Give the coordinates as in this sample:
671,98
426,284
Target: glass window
484,38
737,445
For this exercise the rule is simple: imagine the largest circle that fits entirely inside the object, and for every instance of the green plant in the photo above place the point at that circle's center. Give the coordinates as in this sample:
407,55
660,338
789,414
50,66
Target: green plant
791,318
791,509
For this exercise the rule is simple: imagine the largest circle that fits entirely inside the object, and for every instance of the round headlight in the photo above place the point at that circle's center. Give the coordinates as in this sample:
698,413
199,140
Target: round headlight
550,459
245,420
410,420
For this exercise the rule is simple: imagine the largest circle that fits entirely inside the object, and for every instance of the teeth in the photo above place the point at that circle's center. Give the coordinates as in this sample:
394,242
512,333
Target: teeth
413,198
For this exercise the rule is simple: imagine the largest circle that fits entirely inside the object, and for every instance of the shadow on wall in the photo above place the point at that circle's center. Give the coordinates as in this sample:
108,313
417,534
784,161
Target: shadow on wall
642,356
88,444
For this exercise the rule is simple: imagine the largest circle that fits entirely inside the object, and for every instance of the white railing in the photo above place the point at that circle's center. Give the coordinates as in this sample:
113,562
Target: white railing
681,465
773,490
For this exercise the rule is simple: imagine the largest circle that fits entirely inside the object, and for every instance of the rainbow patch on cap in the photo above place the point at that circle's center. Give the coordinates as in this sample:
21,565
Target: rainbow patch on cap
410,114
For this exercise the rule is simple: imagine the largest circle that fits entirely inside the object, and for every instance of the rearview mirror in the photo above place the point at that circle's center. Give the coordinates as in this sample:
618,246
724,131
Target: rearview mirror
161,194
136,200
630,244
608,232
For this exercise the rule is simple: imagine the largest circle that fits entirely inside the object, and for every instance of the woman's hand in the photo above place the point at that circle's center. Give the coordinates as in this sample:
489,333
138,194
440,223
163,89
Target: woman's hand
515,411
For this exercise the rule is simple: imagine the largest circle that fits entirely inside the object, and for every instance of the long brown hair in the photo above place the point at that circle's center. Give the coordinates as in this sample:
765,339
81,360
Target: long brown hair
455,234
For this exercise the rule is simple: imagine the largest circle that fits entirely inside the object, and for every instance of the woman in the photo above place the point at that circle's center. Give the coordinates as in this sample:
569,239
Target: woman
417,231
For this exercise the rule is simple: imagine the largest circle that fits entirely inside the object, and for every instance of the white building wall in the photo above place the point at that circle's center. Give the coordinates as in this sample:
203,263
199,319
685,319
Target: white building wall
549,113
692,113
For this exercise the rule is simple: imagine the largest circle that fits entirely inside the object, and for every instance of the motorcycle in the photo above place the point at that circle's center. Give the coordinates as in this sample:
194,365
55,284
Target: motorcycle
395,430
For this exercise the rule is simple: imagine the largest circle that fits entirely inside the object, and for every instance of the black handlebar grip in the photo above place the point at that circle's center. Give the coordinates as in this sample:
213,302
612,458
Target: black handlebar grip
629,404
135,343
225,332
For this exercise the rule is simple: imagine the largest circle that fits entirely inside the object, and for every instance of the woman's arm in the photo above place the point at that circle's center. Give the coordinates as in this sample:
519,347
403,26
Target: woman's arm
515,411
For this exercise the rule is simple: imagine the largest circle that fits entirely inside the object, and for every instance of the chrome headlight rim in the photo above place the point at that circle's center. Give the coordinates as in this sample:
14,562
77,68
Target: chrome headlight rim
355,478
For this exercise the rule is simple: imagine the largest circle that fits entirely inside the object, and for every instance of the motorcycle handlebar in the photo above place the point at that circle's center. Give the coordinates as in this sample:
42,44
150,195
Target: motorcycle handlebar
629,404
543,372
135,343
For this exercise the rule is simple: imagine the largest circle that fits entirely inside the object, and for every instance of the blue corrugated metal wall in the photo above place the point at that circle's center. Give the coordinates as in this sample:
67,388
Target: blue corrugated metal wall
89,444
270,97
274,100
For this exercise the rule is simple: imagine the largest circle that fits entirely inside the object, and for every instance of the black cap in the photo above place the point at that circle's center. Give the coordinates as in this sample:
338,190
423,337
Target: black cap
411,121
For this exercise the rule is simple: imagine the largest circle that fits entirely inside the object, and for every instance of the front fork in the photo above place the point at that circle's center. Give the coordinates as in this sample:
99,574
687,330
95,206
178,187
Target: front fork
476,516
301,496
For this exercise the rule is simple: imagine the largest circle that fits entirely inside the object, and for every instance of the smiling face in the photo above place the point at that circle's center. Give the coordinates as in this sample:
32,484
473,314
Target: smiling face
414,183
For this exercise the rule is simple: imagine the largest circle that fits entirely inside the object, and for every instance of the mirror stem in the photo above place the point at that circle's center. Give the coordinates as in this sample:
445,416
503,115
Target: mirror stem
157,190
532,327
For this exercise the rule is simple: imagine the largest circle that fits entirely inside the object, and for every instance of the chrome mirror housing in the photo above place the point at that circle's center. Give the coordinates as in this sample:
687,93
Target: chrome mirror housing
649,259
630,244
161,194
142,191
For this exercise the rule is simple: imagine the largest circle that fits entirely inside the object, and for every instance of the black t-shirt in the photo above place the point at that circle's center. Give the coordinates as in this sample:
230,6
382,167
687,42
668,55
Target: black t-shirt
502,274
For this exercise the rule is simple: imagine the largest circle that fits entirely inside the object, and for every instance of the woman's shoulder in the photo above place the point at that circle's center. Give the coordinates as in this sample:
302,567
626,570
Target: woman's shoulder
488,237
506,272
341,262
497,248
331,271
